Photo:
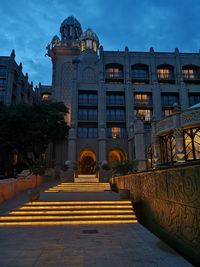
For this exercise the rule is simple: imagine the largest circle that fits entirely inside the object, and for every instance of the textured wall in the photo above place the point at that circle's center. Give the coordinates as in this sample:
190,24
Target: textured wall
169,205
10,188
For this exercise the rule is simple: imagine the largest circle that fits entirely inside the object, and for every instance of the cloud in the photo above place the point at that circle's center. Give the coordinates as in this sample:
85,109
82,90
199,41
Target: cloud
27,26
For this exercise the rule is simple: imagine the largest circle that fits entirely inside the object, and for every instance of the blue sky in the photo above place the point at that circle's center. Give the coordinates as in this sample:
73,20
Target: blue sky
29,25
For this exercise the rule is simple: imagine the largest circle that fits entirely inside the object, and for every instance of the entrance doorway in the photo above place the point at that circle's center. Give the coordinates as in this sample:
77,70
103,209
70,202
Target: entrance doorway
87,162
116,155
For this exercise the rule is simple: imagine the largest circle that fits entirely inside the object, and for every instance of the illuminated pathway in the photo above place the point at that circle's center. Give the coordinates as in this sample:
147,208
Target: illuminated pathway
70,228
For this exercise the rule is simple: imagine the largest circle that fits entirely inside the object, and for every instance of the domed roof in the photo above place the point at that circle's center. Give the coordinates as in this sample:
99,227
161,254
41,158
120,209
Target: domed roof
70,28
89,35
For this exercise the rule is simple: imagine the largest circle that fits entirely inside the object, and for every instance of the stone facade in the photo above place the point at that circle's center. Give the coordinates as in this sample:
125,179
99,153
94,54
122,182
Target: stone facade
169,205
14,85
112,95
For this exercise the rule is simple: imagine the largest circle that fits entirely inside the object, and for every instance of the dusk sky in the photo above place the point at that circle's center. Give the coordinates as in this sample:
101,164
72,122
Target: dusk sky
29,25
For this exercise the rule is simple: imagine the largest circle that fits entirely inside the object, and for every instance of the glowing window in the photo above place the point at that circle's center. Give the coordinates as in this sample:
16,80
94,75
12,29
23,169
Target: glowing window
167,112
82,46
163,73
115,132
46,97
144,114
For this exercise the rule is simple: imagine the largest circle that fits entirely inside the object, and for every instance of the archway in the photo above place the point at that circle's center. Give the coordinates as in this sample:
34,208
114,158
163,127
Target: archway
116,155
87,161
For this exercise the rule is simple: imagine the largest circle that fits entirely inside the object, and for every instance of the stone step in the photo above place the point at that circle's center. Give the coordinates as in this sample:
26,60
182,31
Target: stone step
70,212
79,187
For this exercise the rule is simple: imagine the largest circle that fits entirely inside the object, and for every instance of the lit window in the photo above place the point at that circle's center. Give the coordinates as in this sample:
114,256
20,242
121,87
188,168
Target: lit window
94,46
143,99
163,73
46,97
82,45
189,73
115,132
167,112
88,44
144,114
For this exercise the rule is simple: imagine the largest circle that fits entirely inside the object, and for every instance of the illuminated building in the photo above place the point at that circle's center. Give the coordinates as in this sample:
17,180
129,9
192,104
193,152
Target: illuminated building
112,95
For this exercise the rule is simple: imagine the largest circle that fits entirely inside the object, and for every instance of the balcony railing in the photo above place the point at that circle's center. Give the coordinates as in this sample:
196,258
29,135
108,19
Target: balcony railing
194,76
115,118
88,117
140,76
114,75
87,101
115,102
166,76
141,102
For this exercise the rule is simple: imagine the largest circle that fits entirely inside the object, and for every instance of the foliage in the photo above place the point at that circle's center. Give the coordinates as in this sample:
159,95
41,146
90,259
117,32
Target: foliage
30,128
38,167
123,167
105,167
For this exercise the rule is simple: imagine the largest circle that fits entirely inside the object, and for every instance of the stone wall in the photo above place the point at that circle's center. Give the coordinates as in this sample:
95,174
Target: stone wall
168,202
10,188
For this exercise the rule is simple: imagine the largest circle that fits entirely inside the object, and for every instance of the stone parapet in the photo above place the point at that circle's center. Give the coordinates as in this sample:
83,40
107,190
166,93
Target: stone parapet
10,188
169,202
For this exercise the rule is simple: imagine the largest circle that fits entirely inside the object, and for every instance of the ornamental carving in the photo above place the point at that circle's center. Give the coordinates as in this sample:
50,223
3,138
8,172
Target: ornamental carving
171,200
164,125
190,117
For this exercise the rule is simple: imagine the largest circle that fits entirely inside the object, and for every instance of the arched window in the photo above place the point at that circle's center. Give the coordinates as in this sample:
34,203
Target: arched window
192,143
46,96
165,73
168,149
191,72
140,73
114,73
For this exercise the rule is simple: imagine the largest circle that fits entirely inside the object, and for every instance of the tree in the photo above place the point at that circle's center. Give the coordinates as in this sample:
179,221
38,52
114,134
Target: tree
123,167
30,128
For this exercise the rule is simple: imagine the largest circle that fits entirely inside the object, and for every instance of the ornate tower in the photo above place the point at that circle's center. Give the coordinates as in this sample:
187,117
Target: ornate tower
63,52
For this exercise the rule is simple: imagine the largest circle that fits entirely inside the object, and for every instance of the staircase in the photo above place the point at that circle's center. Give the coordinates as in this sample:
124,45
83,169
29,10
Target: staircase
52,213
79,187
88,178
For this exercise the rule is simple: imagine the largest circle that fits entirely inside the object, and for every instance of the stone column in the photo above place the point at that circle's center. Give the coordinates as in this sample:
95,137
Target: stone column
155,145
102,143
102,111
156,95
180,155
140,144
131,151
72,144
178,133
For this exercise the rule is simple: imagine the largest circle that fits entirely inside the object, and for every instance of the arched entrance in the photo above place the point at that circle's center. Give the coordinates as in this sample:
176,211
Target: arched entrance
116,155
87,162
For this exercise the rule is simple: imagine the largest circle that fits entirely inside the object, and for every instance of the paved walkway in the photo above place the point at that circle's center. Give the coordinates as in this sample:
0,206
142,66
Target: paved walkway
95,245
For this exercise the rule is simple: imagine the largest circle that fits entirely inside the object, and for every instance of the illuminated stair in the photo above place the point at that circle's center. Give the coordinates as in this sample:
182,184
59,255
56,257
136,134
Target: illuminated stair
70,213
79,187
86,178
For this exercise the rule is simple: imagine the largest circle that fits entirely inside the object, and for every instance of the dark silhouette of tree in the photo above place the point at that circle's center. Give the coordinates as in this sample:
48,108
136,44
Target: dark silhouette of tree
26,129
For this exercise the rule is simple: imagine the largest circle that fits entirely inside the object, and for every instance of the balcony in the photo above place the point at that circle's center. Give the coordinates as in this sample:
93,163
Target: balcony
114,77
191,78
87,117
166,78
143,102
140,77
90,102
116,118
